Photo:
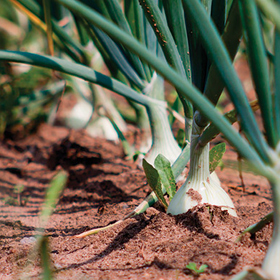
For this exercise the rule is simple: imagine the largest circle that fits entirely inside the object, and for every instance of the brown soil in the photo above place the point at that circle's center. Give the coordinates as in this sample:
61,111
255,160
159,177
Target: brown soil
102,188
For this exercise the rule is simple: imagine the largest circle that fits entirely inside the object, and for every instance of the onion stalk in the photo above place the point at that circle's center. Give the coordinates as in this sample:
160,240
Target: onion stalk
200,187
163,141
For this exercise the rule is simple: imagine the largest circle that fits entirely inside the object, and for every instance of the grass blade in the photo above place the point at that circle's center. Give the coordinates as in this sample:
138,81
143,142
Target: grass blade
43,245
53,192
256,53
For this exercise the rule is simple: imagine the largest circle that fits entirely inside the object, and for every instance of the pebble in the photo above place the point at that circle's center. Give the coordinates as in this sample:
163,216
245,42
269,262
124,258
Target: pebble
28,240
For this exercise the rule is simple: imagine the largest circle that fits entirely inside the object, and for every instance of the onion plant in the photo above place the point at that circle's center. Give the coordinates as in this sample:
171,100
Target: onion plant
195,44
123,65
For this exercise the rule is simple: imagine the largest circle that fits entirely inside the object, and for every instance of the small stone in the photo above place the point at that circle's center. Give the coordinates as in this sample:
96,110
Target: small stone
28,240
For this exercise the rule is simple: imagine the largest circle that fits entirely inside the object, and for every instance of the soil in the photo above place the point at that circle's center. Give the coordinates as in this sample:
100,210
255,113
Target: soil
102,188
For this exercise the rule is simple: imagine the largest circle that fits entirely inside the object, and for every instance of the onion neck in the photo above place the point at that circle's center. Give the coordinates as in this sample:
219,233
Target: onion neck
163,141
199,164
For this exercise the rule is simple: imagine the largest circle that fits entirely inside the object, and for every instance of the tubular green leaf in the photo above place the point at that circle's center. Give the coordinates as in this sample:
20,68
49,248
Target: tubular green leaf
35,9
212,131
133,13
163,34
271,11
176,22
115,53
198,57
137,21
218,14
112,10
277,83
114,70
155,17
231,38
219,56
47,13
256,53
77,70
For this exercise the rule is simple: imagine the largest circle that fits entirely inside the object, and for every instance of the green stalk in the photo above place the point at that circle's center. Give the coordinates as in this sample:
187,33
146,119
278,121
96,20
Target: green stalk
155,17
112,10
176,22
277,83
134,15
83,35
115,53
258,64
212,131
47,14
77,70
218,14
219,56
271,10
198,57
113,68
138,25
231,38
35,9
163,34
163,141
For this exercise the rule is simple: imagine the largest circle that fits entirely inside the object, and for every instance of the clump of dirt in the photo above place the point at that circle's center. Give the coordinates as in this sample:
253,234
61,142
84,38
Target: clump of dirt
194,195
102,188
